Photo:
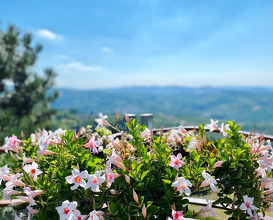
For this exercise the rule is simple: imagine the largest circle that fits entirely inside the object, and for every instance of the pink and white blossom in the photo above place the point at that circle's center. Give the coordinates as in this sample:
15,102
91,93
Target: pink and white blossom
176,161
14,181
11,143
93,145
30,195
248,205
66,210
182,185
27,160
207,208
110,176
219,163
213,125
209,181
77,178
96,215
193,144
32,170
146,133
224,128
177,215
94,181
101,121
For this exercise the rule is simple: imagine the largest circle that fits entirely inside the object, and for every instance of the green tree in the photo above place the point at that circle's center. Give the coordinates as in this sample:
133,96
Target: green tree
25,96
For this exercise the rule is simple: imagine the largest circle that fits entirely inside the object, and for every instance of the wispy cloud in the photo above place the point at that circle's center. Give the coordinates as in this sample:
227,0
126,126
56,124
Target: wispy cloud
78,66
43,33
105,49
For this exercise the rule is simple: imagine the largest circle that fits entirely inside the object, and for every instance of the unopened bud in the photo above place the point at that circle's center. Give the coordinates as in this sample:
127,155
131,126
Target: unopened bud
127,178
135,196
144,211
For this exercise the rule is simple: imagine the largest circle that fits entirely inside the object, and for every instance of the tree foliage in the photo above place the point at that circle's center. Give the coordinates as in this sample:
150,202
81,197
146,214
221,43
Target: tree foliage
25,95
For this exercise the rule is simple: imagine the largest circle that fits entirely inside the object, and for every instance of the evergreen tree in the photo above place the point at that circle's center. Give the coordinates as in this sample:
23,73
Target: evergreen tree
25,96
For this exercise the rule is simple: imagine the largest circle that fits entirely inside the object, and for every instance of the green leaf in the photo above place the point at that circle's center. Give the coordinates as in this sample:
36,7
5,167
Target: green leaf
167,181
144,174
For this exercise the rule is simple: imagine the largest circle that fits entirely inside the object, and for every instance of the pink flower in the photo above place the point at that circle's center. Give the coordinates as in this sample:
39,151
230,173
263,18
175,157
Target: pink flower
183,185
33,170
209,181
94,180
146,134
182,130
110,176
77,178
11,143
176,161
177,215
14,181
78,215
27,160
93,145
193,144
66,210
219,163
95,215
101,121
207,208
213,125
30,194
248,205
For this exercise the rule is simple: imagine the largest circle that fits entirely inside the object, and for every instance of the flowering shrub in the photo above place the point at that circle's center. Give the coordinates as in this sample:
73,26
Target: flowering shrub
140,175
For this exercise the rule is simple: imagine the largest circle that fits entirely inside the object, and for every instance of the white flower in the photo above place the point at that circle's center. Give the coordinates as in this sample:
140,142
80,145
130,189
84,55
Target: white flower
209,181
95,215
77,177
101,120
32,170
208,208
182,185
146,133
66,210
94,181
11,143
14,181
224,128
193,144
30,194
176,161
27,160
248,205
213,125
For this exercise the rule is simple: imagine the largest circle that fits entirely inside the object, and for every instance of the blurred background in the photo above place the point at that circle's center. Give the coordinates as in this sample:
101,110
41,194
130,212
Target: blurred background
63,62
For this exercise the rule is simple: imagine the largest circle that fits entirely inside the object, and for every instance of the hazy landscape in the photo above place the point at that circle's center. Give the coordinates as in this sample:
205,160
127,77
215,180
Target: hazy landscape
251,107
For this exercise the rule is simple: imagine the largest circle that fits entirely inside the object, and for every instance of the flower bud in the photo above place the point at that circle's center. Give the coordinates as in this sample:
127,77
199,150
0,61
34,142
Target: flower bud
127,178
144,211
135,197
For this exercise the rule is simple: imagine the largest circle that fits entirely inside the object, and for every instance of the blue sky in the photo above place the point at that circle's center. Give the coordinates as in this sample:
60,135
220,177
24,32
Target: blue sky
115,43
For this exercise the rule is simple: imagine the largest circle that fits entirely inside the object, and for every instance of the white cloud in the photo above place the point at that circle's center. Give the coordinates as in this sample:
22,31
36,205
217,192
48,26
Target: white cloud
43,33
78,66
105,49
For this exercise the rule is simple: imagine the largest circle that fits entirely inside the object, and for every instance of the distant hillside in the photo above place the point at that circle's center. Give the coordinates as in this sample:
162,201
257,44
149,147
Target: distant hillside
232,103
